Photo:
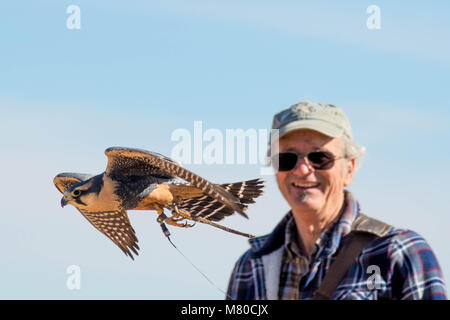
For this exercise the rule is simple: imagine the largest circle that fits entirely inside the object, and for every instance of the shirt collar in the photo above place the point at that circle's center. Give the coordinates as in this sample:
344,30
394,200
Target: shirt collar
326,244
331,240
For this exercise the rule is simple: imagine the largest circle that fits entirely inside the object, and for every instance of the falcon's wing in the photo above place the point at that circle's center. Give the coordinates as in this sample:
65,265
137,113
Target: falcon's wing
117,227
65,180
114,224
137,162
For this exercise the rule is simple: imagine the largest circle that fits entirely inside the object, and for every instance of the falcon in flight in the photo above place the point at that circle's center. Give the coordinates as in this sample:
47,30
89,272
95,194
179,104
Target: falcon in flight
137,179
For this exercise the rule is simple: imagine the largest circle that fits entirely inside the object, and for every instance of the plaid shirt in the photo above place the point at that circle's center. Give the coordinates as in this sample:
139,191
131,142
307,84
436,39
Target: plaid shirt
407,265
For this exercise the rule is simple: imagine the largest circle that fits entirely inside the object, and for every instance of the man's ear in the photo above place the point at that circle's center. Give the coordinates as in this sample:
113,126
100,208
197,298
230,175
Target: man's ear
349,171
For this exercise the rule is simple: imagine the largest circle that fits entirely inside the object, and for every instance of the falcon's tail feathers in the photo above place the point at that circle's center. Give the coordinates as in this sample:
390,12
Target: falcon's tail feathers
208,208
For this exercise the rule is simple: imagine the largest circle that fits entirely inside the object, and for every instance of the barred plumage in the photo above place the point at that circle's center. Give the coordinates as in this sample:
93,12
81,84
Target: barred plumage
128,161
208,208
137,179
117,227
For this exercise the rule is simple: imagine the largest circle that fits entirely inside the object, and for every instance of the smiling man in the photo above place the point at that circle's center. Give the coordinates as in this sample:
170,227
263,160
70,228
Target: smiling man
325,247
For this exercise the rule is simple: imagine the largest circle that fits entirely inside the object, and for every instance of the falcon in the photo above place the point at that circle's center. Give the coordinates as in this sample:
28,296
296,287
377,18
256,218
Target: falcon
137,179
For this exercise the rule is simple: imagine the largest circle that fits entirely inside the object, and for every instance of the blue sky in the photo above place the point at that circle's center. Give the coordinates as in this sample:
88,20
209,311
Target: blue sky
138,70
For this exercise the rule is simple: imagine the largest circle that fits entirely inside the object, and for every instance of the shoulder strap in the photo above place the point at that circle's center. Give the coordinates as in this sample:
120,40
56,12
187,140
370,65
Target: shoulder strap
367,224
364,230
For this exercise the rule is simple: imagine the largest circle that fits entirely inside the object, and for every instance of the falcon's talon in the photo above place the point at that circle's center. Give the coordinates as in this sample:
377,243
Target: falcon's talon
178,222
178,213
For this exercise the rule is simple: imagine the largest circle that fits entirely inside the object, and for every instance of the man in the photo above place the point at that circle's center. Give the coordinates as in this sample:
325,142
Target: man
315,161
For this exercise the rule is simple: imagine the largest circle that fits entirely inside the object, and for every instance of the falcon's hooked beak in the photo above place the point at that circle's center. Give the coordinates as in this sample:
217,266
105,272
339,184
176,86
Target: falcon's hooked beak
64,201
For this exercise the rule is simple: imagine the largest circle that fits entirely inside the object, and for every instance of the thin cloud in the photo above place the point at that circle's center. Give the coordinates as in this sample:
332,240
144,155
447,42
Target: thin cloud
400,31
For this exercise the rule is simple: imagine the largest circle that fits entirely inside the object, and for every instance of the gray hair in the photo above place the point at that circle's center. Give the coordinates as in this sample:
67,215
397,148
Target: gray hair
353,150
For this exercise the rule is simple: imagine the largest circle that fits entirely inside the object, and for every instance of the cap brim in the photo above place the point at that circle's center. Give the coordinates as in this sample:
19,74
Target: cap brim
316,125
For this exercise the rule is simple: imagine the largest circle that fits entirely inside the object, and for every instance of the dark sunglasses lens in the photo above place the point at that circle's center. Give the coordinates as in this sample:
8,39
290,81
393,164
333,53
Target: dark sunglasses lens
284,161
321,160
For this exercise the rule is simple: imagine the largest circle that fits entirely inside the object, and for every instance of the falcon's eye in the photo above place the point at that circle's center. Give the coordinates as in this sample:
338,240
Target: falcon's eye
76,193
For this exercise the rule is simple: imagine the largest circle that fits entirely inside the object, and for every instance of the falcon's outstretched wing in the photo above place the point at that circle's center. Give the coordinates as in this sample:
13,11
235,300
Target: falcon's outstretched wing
137,162
117,227
65,180
114,224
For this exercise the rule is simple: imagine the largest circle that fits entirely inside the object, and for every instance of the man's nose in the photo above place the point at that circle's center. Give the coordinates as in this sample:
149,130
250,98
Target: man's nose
302,168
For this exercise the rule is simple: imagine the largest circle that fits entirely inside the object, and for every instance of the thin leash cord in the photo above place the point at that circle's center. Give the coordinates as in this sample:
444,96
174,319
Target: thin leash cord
167,234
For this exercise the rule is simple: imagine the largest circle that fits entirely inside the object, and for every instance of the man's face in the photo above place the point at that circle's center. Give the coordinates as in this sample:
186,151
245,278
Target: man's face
323,188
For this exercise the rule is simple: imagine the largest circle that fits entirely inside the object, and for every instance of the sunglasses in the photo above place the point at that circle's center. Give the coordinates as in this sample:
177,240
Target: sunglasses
319,160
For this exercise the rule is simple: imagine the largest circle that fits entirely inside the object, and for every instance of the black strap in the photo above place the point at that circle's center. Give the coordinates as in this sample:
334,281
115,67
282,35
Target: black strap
364,230
346,257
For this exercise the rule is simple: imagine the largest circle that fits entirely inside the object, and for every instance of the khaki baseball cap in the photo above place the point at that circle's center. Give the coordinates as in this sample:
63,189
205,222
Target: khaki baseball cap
324,118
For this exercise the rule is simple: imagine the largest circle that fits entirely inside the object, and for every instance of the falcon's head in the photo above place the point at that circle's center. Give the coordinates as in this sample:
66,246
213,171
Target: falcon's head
84,194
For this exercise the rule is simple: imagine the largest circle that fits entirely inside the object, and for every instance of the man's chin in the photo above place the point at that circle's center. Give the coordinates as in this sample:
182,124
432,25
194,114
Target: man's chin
304,204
